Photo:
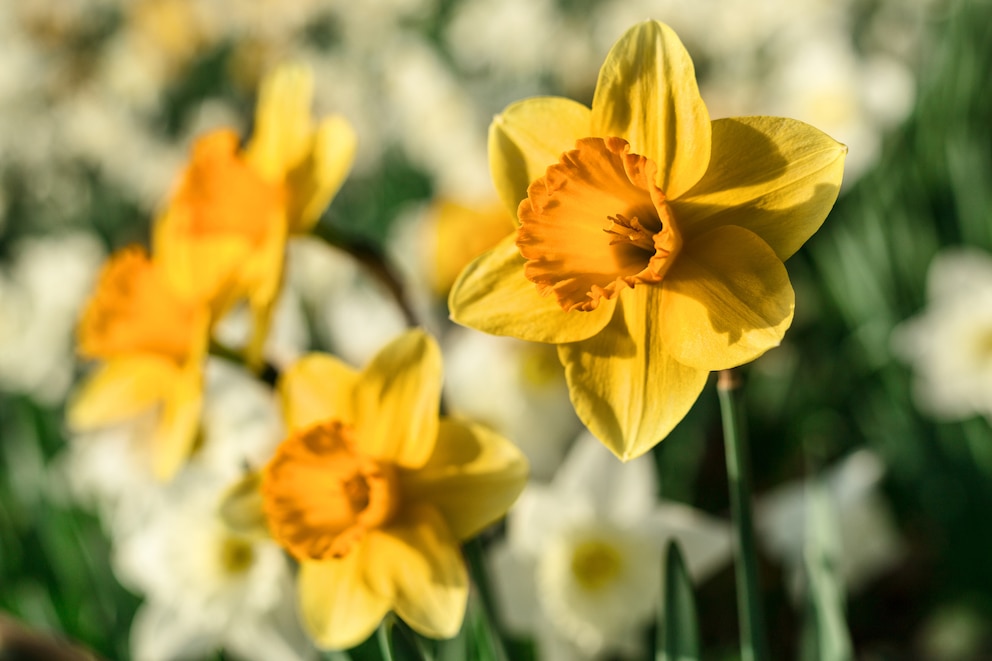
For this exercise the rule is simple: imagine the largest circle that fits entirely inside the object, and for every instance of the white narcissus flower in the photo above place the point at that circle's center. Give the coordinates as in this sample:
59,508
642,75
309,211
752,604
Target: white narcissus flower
949,344
205,587
40,299
580,569
869,542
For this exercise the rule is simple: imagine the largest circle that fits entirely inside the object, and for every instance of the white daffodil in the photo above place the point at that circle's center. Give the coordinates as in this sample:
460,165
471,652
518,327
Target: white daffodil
205,587
949,344
580,569
869,541
41,295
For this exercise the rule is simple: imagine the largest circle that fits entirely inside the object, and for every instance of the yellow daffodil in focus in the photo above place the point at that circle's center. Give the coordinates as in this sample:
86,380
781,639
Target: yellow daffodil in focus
651,240
223,234
152,343
372,492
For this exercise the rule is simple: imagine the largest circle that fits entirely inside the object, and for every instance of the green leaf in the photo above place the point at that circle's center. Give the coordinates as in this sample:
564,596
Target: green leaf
678,630
825,634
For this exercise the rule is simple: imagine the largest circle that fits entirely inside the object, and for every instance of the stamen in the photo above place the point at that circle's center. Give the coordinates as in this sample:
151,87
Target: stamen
630,230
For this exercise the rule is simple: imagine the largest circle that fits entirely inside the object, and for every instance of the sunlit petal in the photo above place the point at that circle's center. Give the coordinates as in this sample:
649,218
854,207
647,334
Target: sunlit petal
492,295
647,94
731,289
317,388
420,560
120,389
340,610
318,178
282,132
396,401
623,382
776,177
472,477
529,136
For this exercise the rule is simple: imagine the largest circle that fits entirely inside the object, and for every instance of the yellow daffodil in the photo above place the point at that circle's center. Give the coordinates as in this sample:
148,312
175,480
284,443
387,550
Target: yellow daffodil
651,240
372,492
223,234
153,343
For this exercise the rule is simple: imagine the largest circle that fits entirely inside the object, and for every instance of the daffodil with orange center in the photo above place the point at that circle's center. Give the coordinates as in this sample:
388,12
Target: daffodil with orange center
223,234
152,343
372,492
651,240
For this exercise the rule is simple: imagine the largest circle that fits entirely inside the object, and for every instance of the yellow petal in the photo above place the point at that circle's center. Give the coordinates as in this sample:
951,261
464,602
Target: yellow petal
317,388
472,478
260,279
397,401
647,94
492,295
726,300
202,268
529,136
283,128
419,559
175,434
340,610
316,180
120,389
625,386
776,177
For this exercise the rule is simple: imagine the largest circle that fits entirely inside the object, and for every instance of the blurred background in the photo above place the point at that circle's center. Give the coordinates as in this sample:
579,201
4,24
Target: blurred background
883,385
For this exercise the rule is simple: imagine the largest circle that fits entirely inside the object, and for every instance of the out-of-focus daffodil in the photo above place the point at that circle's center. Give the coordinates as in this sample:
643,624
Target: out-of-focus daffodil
651,239
309,161
153,344
223,234
372,492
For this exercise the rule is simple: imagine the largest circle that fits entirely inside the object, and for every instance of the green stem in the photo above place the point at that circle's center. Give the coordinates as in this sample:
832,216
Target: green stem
753,644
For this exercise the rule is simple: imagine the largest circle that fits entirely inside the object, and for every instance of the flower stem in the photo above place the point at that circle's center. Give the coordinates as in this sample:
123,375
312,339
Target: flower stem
373,258
753,645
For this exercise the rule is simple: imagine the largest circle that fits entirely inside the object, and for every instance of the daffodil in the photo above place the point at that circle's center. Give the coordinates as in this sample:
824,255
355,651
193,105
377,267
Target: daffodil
152,343
372,492
651,240
223,234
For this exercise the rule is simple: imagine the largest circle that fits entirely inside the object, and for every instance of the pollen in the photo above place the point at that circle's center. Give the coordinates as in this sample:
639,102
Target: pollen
321,496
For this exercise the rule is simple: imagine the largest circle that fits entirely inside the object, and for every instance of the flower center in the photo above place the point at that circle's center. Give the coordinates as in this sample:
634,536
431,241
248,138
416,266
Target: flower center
236,555
134,310
595,564
321,496
595,224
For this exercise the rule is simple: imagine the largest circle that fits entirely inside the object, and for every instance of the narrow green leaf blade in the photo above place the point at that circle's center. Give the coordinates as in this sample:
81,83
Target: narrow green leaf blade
825,633
678,629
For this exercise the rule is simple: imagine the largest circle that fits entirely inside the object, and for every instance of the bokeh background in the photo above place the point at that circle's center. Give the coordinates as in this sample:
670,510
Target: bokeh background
888,367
